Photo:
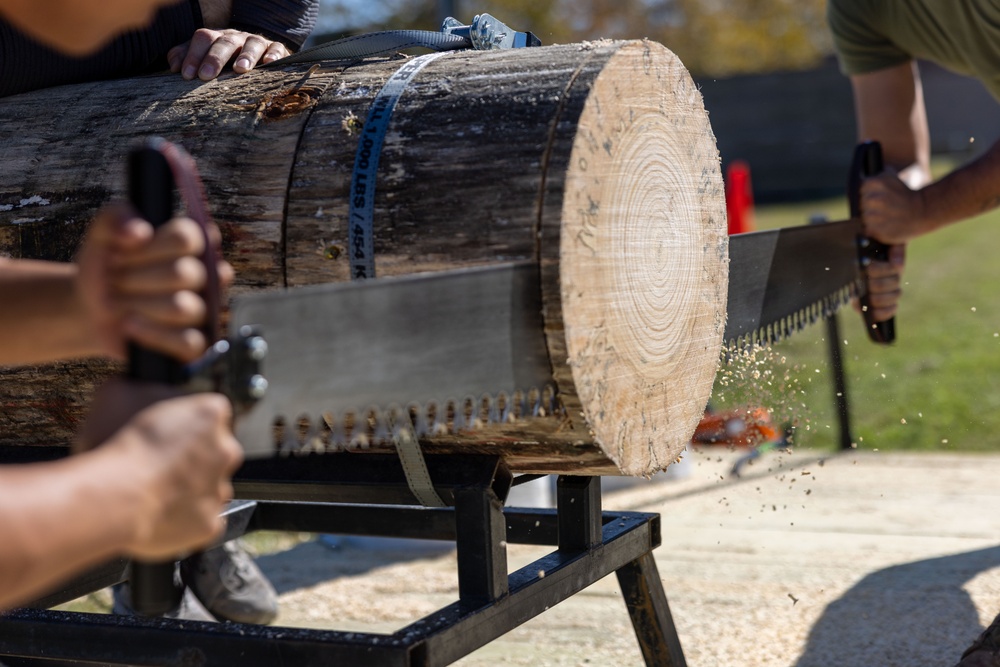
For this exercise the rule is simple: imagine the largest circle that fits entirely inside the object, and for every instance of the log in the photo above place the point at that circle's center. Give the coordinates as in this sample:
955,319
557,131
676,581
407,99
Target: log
597,160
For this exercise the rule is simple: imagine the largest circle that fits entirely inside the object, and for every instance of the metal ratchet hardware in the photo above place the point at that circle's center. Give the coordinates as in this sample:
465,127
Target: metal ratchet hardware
487,33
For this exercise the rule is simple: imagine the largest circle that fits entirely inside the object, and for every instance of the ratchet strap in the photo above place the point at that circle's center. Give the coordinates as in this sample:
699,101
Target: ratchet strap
361,232
372,44
485,33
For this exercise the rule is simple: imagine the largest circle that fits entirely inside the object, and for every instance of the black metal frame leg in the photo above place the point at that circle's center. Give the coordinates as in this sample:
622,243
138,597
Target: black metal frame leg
651,618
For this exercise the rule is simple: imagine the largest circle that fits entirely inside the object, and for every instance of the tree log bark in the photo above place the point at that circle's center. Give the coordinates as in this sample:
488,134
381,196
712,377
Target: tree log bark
597,160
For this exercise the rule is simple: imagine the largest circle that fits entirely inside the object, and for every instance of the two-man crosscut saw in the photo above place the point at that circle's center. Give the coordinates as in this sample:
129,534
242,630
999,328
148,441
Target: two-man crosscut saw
409,361
418,341
400,365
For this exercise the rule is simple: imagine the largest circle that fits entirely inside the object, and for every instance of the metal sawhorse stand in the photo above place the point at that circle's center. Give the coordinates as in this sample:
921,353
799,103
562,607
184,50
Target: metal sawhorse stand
361,494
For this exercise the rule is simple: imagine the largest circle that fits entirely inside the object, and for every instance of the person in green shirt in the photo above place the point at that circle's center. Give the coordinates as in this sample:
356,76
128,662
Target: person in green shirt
878,43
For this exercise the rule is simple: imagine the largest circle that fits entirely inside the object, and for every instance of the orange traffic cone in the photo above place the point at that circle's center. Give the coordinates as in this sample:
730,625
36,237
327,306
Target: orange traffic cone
739,197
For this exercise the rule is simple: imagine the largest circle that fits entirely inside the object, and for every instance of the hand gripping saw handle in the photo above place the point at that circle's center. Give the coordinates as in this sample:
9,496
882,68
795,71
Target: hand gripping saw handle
868,162
153,170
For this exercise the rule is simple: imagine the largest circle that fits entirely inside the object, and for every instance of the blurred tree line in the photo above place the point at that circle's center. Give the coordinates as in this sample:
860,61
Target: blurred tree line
712,37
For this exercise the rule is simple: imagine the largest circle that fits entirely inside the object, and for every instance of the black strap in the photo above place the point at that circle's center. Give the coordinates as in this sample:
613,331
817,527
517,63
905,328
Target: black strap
373,44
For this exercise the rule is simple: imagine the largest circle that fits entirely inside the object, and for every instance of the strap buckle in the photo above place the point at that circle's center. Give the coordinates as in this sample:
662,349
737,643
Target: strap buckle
488,33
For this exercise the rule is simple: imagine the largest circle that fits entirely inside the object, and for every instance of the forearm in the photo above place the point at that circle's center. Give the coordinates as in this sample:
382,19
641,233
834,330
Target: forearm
889,107
57,519
965,192
42,317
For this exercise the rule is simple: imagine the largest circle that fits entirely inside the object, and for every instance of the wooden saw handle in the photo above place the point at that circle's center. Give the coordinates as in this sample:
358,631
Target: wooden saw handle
868,162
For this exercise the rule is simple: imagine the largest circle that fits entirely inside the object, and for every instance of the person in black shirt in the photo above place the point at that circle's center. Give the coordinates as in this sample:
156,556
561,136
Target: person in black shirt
197,38
62,43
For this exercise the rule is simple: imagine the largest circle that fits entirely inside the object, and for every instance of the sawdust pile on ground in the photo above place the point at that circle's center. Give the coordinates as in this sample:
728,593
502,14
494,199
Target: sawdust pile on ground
889,560
335,588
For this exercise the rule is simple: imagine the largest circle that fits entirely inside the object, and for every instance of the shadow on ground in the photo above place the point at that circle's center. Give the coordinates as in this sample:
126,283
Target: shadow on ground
912,615
312,563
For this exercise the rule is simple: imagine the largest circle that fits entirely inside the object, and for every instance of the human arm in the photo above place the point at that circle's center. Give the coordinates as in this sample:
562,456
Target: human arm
129,283
905,203
898,214
889,108
153,489
27,65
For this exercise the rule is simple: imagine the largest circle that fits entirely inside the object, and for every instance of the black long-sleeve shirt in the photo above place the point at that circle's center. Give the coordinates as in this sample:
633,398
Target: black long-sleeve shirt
27,65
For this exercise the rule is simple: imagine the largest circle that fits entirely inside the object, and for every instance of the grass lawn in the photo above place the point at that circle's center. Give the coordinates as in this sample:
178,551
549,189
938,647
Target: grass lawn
936,388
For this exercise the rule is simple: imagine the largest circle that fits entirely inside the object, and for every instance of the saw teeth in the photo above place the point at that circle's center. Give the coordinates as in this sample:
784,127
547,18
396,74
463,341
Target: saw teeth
775,332
418,418
372,427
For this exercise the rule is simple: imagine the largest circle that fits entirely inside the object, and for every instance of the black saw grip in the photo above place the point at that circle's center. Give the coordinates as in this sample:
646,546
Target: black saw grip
151,191
868,162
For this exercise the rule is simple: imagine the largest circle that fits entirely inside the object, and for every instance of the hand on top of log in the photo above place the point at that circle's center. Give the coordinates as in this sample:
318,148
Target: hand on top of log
208,51
138,284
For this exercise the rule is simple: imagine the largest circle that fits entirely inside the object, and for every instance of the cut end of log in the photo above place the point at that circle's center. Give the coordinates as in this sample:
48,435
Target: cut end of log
644,258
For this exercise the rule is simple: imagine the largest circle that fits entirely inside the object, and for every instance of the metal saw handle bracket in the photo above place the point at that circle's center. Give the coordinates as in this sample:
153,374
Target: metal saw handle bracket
868,162
232,367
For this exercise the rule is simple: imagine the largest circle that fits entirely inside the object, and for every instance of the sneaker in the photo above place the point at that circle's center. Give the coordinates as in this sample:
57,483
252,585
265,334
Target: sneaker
190,608
230,585
985,651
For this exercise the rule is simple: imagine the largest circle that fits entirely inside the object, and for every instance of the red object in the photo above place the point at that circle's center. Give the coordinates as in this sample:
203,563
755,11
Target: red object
739,197
742,427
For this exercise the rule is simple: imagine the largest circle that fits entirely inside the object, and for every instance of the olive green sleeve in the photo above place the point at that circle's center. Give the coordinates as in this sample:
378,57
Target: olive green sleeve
861,46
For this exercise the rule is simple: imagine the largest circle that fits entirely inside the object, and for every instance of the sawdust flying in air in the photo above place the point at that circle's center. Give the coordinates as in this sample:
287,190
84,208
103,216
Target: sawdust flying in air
763,377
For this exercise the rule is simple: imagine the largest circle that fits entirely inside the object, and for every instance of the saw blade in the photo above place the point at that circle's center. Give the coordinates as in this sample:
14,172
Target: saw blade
348,363
782,280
